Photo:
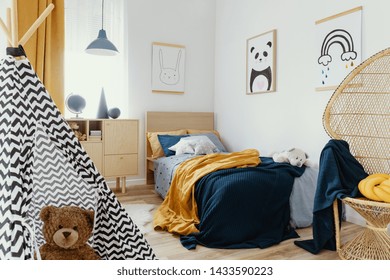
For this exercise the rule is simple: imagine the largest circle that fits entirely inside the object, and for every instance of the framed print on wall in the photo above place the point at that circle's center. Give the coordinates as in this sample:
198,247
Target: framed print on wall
261,63
168,65
338,47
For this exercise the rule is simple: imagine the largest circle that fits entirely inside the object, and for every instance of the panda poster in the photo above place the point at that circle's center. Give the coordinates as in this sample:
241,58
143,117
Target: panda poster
338,47
261,63
168,65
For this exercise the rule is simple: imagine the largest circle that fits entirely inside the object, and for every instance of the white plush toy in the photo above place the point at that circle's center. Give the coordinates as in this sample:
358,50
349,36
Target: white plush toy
294,156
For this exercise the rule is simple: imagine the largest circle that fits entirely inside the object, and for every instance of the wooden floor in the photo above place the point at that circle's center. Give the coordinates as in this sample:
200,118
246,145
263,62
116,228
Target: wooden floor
167,246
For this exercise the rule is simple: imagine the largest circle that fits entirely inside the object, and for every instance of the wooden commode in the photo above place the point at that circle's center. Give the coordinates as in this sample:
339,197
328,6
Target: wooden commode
112,145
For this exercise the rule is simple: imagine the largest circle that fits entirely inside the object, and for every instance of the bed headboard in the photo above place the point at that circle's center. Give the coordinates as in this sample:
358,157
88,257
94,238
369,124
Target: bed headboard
168,121
165,121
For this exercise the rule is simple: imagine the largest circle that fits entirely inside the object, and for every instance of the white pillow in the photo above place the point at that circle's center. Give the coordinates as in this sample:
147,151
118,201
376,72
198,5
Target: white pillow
198,145
204,148
184,148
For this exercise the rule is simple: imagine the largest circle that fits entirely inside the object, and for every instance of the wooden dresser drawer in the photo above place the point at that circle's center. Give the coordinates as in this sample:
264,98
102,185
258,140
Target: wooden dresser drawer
120,137
120,165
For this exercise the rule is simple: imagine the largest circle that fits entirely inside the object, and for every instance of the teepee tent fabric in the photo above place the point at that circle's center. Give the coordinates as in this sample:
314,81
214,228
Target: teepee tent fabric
43,163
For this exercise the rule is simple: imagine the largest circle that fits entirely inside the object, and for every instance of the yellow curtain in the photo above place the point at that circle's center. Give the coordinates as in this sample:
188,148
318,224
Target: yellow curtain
45,49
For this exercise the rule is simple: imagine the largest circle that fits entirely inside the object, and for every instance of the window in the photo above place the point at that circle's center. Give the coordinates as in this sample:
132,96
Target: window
87,74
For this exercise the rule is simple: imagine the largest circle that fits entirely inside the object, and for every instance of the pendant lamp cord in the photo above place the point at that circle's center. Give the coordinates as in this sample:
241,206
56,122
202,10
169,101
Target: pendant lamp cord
102,13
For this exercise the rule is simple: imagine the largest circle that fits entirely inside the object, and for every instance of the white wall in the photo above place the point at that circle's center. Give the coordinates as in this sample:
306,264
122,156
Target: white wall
184,22
291,116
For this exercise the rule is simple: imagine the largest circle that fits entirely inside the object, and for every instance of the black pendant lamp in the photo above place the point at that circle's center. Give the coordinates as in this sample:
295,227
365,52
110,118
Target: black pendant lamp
101,45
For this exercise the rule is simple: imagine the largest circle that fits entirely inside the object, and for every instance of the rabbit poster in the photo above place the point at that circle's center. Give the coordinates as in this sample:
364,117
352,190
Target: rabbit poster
168,65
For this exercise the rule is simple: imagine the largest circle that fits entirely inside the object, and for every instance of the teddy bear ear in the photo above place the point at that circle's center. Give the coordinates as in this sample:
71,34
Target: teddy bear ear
46,212
306,155
90,215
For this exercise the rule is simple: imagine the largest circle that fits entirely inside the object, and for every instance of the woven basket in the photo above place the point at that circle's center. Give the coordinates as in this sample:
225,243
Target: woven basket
373,243
359,113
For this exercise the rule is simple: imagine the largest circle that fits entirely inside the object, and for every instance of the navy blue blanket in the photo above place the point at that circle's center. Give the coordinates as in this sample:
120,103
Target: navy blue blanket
338,177
244,207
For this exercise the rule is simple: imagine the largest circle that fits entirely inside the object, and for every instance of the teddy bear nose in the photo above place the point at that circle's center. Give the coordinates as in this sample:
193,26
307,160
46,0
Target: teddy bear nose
66,234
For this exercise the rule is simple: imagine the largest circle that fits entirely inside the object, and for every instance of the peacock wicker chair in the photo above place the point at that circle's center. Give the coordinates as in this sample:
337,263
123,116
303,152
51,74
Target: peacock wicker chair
359,113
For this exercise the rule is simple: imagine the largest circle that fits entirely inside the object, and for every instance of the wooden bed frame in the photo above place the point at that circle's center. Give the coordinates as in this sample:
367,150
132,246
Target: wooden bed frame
168,121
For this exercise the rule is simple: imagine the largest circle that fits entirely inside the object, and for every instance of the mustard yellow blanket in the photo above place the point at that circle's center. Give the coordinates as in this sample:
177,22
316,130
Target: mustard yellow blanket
179,213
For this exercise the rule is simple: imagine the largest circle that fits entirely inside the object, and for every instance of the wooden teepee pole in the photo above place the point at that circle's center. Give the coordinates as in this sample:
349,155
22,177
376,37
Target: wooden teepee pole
5,29
11,28
14,24
36,24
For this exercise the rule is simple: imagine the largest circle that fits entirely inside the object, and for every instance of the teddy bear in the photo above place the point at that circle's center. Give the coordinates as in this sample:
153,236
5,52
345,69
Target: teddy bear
75,127
294,156
66,230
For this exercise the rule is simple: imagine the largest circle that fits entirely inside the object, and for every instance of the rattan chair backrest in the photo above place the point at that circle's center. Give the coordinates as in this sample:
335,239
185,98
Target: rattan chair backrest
359,113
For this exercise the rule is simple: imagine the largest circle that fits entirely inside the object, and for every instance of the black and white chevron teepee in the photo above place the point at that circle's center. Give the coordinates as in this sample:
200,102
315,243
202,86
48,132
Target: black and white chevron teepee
42,163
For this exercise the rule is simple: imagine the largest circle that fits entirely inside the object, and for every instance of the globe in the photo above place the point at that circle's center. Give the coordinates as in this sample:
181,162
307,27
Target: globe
75,104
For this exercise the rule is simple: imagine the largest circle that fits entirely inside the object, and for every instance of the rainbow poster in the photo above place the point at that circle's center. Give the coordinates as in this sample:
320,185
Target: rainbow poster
338,47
